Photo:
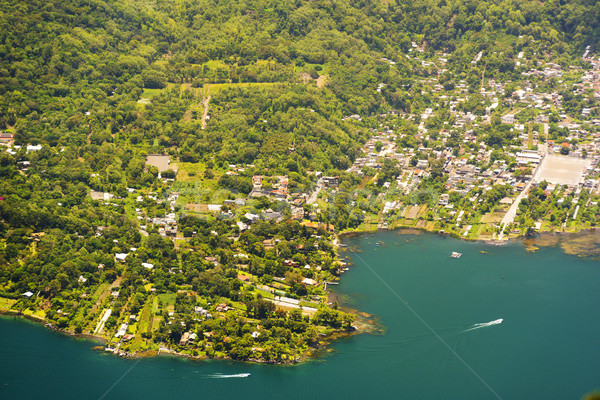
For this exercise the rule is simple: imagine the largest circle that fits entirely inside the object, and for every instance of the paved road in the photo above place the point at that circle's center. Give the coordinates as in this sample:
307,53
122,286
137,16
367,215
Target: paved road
313,196
205,107
512,211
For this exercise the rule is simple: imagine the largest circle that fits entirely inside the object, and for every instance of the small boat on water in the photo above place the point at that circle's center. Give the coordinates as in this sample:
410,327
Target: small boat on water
455,254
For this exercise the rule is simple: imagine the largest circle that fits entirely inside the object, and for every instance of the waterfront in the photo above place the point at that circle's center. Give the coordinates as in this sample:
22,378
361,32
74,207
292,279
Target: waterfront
546,346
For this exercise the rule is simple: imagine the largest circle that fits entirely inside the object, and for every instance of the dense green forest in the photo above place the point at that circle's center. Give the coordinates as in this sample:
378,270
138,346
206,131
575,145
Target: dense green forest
102,84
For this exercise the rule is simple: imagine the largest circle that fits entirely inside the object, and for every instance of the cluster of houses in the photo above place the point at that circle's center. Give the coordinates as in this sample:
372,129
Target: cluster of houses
275,186
471,166
167,225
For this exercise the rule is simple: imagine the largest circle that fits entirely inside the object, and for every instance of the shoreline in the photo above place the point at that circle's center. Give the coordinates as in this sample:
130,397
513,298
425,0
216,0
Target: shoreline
365,323
497,242
320,347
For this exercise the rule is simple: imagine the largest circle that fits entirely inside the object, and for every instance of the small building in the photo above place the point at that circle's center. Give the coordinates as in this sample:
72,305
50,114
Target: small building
309,281
6,137
252,217
122,331
222,307
270,214
508,119
526,157
184,338
421,164
27,294
331,181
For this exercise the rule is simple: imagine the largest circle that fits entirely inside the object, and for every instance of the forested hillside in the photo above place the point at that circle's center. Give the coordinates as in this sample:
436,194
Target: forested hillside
230,90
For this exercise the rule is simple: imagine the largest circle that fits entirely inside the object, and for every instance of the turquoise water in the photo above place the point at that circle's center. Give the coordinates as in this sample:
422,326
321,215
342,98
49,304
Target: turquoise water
547,346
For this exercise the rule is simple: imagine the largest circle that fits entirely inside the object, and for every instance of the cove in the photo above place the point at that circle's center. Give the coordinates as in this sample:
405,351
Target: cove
443,338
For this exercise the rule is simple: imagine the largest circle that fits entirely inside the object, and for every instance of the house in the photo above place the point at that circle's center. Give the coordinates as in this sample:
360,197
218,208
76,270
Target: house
297,213
147,265
508,119
444,198
234,203
526,157
27,294
252,217
6,137
121,256
421,164
331,181
270,214
309,281
122,331
200,310
214,207
184,338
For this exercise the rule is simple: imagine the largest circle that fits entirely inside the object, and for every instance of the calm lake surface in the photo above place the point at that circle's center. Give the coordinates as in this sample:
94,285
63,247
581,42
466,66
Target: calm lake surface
546,347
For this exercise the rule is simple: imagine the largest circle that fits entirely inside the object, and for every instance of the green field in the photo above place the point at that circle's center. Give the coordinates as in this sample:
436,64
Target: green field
217,87
6,304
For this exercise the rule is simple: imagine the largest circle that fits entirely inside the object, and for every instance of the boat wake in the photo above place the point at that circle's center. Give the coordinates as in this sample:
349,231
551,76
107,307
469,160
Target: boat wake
221,376
484,325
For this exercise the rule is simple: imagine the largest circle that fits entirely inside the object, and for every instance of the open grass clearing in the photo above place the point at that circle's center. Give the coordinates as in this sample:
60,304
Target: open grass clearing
6,304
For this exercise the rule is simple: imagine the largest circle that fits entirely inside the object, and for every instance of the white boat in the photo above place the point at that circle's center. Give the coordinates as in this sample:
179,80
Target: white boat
455,254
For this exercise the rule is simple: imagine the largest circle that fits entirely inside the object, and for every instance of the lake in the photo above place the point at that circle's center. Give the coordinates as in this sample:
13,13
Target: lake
443,335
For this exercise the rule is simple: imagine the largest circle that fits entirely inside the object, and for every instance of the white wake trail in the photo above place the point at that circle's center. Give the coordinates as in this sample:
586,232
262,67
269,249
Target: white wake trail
485,324
221,376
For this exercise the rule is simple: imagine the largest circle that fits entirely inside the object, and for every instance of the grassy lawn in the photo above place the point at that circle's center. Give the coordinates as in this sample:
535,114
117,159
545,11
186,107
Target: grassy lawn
214,64
99,290
265,294
217,87
146,317
130,208
190,172
493,217
308,67
168,301
150,93
39,313
6,304
238,305
309,304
